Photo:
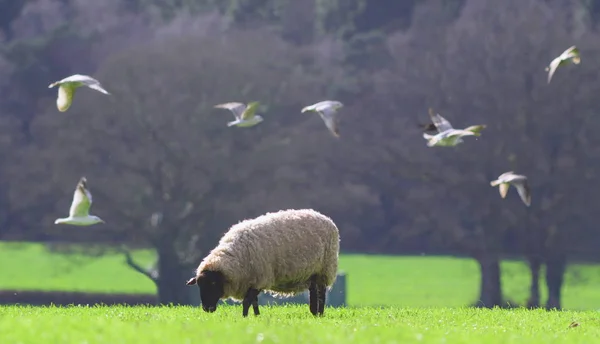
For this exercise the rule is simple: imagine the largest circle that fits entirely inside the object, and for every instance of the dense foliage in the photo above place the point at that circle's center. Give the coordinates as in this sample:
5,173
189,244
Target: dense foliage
157,145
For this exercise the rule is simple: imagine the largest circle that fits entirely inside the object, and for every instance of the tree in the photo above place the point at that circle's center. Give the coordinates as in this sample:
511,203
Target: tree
517,94
474,71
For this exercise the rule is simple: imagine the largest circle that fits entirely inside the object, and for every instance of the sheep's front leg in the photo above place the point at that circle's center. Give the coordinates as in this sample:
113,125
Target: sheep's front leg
322,293
251,298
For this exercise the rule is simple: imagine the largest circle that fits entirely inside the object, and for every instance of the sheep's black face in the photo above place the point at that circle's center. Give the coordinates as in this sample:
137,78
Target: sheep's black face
211,289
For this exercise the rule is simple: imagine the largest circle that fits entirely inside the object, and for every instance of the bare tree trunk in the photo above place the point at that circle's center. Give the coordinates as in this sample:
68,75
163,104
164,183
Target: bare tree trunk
556,265
490,289
172,275
168,274
535,264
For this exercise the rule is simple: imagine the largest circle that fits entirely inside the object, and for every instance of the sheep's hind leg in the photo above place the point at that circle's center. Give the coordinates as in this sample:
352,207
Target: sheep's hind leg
312,295
255,303
251,298
322,293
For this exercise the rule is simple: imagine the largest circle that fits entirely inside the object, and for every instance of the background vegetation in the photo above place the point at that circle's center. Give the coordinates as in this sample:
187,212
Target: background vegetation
157,145
372,280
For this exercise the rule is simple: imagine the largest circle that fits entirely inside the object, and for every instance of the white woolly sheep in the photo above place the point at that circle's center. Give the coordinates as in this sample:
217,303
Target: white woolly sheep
284,253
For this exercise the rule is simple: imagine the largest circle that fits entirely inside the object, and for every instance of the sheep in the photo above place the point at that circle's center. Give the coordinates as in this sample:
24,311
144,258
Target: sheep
283,253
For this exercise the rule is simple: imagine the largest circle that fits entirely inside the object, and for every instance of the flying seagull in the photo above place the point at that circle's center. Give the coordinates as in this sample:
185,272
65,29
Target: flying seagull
79,213
327,109
570,55
244,114
446,135
518,181
67,87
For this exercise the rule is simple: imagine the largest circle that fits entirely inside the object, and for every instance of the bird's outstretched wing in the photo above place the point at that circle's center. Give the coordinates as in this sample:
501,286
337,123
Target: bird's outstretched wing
98,88
328,105
323,105
440,122
571,53
236,108
521,184
552,68
83,80
250,110
331,121
82,200
458,132
524,191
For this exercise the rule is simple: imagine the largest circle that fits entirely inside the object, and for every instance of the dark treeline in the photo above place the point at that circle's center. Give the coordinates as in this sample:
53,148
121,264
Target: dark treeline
156,145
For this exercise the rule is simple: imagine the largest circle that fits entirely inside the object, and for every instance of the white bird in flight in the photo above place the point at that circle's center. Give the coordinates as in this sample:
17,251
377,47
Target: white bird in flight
447,136
79,213
571,55
518,181
328,110
245,115
67,87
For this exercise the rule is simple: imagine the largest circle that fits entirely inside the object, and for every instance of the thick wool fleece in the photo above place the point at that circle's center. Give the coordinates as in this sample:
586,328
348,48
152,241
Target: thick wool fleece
276,252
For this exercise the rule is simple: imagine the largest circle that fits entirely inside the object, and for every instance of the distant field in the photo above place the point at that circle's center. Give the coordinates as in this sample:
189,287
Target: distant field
294,324
417,281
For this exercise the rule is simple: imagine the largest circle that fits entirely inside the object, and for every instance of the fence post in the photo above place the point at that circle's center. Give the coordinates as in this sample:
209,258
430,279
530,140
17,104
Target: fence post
337,295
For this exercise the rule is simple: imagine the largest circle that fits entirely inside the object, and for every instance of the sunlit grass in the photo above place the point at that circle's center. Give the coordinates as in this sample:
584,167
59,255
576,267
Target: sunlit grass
294,324
407,281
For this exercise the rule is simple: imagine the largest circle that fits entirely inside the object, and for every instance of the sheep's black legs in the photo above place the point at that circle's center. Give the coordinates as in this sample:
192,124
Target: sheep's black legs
321,293
312,295
251,298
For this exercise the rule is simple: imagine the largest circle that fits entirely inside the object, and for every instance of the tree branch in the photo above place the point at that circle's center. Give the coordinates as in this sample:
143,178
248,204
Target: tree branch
152,274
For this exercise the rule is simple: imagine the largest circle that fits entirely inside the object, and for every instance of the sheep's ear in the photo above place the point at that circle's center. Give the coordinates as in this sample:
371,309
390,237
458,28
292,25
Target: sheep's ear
191,281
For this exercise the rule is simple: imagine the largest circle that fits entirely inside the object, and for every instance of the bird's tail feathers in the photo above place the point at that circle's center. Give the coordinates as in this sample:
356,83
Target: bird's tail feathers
495,183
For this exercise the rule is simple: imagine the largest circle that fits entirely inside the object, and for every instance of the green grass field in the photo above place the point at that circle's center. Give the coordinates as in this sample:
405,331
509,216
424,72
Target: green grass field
422,299
418,281
294,324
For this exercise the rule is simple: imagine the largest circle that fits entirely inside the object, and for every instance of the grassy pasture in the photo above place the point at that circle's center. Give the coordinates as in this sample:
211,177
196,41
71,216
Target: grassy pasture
294,324
417,281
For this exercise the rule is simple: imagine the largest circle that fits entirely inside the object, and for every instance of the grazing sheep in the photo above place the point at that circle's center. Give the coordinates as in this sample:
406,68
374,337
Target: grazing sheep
284,253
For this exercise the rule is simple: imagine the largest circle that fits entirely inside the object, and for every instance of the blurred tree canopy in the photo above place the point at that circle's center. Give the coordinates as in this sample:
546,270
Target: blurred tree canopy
157,149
